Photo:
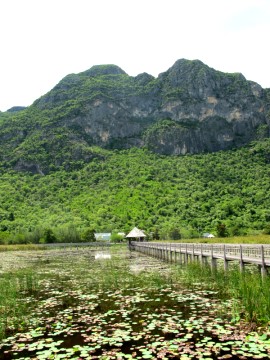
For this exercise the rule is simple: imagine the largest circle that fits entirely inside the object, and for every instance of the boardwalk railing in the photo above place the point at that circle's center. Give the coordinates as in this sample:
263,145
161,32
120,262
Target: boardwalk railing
185,252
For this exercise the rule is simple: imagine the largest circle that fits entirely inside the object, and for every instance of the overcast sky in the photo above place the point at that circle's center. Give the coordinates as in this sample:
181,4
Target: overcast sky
44,40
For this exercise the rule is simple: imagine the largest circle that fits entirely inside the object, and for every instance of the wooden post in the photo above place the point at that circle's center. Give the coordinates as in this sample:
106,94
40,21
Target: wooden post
263,268
186,255
180,255
170,253
213,260
225,260
163,251
201,255
241,263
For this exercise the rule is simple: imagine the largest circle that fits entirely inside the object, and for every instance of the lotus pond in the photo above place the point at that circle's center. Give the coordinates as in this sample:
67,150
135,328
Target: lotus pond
73,306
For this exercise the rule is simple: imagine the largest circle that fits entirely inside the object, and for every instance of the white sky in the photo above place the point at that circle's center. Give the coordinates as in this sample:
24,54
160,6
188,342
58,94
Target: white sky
41,41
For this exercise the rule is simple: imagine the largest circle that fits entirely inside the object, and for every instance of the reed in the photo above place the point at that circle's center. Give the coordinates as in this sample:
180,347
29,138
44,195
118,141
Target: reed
252,294
14,288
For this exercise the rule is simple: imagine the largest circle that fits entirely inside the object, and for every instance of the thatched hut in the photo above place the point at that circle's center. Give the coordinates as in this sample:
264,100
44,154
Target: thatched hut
136,235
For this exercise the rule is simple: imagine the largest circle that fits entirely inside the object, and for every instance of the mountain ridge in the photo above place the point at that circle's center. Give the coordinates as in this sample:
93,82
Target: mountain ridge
188,109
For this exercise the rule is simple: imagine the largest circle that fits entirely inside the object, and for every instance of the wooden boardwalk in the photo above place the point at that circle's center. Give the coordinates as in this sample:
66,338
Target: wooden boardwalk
184,252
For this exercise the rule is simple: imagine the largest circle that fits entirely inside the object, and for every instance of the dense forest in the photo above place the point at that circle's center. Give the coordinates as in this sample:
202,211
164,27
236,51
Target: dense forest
167,196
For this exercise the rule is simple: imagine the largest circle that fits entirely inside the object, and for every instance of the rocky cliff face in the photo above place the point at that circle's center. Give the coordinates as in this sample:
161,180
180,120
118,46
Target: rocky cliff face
211,110
190,108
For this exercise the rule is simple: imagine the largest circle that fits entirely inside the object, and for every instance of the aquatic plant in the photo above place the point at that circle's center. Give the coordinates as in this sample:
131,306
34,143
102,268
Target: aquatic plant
126,307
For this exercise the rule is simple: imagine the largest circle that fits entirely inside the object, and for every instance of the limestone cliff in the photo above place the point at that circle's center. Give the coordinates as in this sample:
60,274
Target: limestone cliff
190,108
210,110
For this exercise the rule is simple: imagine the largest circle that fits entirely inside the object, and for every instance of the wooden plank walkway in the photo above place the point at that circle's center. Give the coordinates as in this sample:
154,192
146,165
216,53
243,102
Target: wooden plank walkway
184,252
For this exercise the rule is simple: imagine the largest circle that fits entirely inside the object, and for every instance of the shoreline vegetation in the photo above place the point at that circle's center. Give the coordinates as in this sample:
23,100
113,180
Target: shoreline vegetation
257,239
124,300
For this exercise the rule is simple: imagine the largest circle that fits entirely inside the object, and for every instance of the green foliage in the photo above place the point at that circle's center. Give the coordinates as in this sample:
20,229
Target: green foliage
89,235
49,236
221,230
123,189
267,229
116,238
161,127
175,234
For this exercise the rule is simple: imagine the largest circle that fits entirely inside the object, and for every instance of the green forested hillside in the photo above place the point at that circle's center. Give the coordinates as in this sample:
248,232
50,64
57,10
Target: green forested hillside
164,195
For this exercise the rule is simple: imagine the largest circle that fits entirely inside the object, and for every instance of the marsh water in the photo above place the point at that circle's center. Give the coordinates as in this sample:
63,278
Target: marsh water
122,305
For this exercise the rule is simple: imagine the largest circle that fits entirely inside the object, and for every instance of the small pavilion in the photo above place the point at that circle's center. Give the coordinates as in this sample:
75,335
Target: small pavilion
136,234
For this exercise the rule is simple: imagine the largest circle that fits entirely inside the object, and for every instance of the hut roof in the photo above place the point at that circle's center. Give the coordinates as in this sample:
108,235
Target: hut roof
136,233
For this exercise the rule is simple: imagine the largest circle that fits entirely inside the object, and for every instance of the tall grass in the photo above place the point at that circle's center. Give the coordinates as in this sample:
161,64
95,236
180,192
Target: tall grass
14,287
252,293
250,239
247,239
21,247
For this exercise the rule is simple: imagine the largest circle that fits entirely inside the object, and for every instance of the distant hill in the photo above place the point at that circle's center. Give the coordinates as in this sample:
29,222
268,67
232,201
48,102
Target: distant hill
16,109
188,109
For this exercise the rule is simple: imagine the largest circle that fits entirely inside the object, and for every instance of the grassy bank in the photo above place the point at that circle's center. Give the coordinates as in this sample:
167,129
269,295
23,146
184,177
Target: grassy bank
252,239
255,239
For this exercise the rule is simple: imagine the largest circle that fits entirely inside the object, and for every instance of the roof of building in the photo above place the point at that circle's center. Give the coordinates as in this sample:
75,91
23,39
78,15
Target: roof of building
208,235
103,236
136,233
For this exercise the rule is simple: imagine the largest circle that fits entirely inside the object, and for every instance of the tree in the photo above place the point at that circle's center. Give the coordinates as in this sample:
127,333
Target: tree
267,229
155,234
174,234
89,235
222,230
49,236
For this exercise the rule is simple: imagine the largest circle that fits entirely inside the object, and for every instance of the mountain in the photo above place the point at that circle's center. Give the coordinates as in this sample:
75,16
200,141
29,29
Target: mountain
191,108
